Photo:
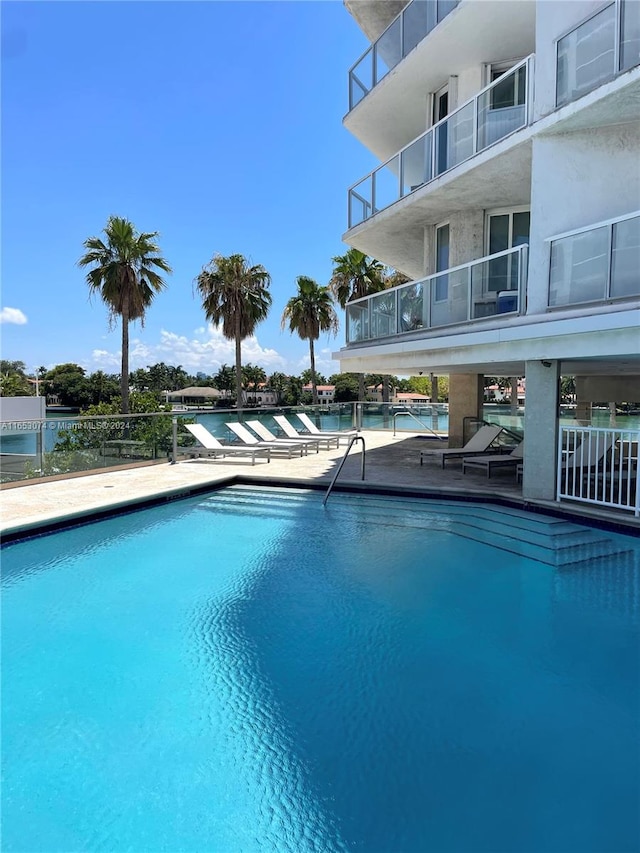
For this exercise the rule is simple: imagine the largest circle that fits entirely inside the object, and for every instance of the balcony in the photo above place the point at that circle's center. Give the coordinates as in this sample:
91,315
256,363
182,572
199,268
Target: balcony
414,23
599,49
494,285
596,264
494,113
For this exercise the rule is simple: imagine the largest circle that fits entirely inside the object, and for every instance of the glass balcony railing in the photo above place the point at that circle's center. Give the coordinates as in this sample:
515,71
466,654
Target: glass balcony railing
403,34
496,112
596,264
489,286
605,45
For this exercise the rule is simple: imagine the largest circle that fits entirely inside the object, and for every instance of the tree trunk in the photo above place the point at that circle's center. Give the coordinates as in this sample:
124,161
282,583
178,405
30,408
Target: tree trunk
238,365
361,388
314,386
385,402
124,375
514,394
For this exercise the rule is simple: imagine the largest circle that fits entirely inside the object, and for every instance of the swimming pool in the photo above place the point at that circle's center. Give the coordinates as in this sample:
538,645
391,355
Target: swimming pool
245,671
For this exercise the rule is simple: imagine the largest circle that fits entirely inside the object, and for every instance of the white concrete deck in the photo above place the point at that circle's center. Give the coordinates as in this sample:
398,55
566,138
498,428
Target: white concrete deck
392,462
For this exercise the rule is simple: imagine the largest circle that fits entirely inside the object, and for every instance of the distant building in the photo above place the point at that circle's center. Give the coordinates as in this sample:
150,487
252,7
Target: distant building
326,393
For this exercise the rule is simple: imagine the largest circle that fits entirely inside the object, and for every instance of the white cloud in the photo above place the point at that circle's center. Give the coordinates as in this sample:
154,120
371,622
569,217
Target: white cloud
13,315
206,352
102,359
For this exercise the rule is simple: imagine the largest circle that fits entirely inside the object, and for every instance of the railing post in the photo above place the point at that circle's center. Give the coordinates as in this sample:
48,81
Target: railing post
174,429
617,53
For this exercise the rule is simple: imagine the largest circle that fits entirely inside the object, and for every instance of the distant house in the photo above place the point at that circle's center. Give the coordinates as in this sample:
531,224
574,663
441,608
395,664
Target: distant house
194,395
326,393
263,395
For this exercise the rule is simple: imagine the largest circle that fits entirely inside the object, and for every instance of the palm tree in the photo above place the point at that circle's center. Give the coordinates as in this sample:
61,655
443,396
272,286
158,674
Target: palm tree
125,276
356,275
237,296
308,313
253,375
224,380
277,383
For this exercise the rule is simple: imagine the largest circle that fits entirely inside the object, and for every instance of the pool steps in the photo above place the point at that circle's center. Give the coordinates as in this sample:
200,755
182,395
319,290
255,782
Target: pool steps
556,542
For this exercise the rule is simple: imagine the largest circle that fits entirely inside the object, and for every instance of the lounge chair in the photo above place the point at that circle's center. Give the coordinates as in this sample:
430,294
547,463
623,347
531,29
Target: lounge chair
499,460
479,443
291,432
249,439
266,435
215,448
588,454
313,429
587,462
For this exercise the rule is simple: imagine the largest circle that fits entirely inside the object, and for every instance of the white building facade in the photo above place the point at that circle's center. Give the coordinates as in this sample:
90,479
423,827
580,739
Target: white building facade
509,191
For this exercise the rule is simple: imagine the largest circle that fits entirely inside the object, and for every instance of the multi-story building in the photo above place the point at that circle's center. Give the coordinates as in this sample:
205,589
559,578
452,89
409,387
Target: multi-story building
509,191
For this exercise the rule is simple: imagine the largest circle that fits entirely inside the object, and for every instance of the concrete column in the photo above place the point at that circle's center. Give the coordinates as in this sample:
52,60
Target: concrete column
466,391
541,430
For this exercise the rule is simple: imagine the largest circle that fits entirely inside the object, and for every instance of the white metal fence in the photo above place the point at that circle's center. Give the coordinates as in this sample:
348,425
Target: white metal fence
599,467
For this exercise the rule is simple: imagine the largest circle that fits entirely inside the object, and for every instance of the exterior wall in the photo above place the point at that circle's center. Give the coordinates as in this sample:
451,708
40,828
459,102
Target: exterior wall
466,236
554,20
469,84
578,179
608,389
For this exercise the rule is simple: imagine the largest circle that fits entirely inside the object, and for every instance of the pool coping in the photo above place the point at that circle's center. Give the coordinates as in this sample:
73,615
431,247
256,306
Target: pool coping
33,529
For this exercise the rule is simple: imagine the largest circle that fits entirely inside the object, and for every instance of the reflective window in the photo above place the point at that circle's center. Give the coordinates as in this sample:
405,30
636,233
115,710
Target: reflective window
586,56
625,261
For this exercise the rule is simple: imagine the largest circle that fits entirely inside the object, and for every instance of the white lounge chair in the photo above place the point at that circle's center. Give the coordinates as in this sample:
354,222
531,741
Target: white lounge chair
215,448
479,443
313,429
249,439
588,454
291,432
265,434
499,460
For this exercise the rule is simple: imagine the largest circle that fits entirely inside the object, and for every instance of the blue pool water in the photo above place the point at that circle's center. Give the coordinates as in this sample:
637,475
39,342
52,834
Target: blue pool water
245,671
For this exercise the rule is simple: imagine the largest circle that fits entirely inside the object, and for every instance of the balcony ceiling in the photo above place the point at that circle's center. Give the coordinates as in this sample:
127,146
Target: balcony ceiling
477,31
497,177
374,16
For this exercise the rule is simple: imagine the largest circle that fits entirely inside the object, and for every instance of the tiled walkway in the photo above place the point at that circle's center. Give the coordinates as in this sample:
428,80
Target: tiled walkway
392,462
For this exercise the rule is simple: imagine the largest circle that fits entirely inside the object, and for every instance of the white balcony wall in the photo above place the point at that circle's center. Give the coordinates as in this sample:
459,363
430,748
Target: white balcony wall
469,83
553,20
576,182
466,237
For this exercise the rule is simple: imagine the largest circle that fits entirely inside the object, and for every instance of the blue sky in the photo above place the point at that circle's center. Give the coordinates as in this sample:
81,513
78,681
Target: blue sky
217,124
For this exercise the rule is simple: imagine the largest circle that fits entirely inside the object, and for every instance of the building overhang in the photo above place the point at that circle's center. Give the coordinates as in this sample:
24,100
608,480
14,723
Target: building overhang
605,342
613,103
374,16
499,176
475,32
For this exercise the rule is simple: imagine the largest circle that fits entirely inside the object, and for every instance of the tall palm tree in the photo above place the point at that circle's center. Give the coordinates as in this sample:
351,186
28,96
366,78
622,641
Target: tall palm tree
224,380
237,296
308,313
125,276
356,275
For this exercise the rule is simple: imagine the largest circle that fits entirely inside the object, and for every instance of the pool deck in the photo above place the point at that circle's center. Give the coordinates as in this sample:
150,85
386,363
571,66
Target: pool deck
391,463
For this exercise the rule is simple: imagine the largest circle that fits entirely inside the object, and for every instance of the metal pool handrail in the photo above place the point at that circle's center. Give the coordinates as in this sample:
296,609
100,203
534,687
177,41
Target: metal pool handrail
417,420
344,459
